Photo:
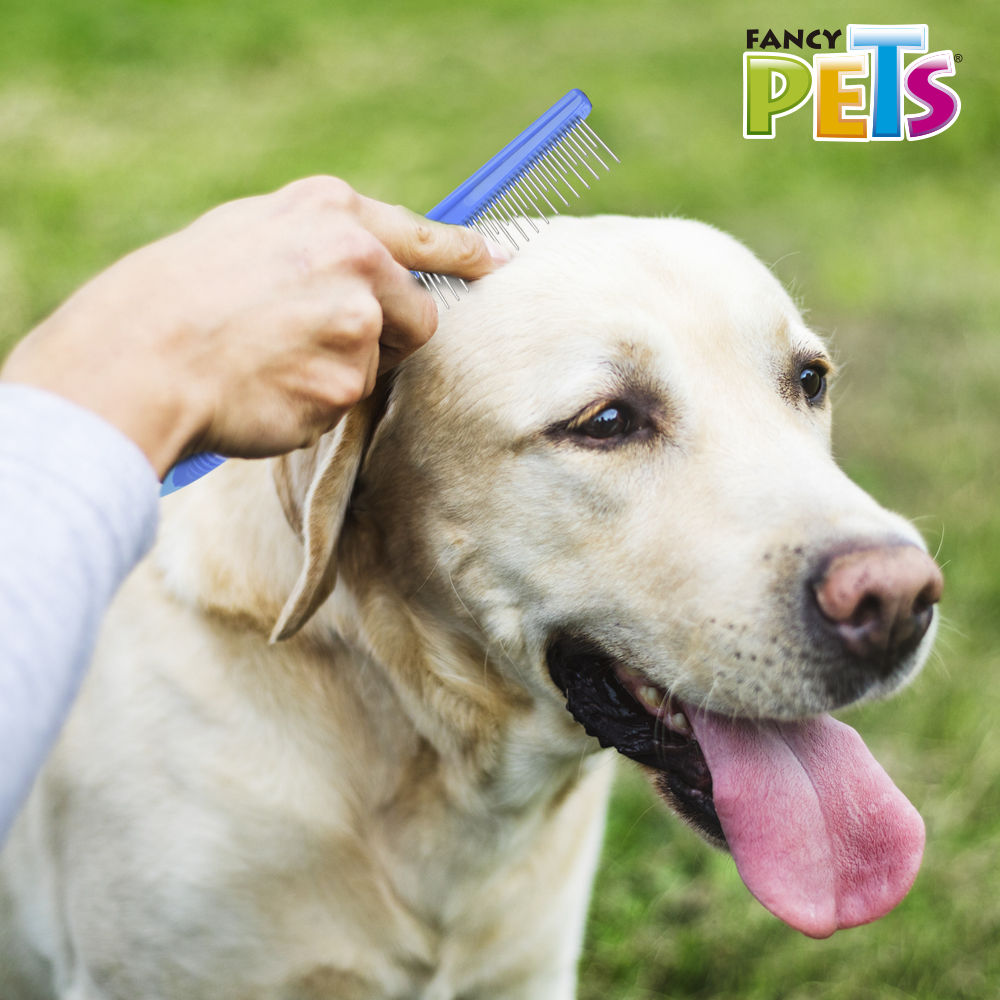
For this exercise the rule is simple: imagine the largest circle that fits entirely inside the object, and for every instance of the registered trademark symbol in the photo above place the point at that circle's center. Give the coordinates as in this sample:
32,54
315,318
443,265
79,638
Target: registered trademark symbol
958,57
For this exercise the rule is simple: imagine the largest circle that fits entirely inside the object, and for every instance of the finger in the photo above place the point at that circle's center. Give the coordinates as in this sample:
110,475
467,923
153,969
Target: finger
423,245
409,314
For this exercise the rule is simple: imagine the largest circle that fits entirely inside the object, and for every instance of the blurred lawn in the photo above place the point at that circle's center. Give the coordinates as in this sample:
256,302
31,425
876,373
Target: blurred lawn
120,121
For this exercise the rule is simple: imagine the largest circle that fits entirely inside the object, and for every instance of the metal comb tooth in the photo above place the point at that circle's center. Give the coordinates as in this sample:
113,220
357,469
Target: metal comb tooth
502,198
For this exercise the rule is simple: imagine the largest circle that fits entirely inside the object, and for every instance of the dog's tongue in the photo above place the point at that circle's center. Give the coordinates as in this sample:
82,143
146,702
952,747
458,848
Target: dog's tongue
820,834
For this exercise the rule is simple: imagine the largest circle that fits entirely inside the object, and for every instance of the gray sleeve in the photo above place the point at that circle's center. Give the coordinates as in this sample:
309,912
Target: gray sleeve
78,509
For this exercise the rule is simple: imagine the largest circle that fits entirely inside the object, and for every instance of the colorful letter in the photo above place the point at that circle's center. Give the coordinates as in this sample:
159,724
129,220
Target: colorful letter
832,97
888,41
941,102
773,86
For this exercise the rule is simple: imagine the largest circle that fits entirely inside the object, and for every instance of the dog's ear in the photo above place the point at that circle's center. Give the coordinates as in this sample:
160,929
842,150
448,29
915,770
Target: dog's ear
315,486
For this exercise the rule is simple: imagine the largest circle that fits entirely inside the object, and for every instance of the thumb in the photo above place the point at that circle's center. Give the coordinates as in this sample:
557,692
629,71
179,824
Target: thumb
420,244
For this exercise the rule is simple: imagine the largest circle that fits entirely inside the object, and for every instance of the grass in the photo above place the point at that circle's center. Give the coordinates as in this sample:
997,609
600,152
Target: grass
121,121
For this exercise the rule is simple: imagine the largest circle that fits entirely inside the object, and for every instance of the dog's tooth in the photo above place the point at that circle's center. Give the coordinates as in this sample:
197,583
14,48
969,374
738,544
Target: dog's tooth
680,722
651,696
629,672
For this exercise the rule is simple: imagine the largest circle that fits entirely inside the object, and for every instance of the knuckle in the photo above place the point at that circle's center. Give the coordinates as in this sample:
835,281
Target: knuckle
419,239
327,192
361,317
425,235
450,249
367,253
356,250
353,386
336,387
470,249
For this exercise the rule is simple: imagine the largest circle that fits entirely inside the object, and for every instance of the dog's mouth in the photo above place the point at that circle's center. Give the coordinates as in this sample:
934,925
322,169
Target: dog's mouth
819,833
623,709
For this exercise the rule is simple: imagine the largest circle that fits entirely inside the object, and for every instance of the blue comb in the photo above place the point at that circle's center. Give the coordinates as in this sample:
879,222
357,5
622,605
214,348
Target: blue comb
501,199
547,161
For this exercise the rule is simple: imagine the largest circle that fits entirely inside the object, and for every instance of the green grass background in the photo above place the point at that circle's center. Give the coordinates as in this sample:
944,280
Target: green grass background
122,120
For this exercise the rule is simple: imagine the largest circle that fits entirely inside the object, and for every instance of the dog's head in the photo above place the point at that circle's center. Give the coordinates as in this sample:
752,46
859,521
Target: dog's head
609,474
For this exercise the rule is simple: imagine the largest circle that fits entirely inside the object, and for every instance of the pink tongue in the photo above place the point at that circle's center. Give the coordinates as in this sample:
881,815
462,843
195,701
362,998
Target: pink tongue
820,834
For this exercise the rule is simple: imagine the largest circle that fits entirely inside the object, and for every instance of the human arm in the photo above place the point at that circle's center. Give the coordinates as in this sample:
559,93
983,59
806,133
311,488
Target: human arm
251,332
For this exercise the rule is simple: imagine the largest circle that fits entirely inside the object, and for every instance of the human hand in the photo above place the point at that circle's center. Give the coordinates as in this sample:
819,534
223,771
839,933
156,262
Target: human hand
253,330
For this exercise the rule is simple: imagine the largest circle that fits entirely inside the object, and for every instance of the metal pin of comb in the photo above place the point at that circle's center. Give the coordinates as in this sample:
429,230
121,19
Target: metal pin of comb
502,199
499,200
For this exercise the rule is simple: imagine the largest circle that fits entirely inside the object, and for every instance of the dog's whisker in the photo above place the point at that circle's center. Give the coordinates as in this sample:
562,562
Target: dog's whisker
465,606
444,552
950,628
584,754
510,659
486,664
940,543
791,253
481,629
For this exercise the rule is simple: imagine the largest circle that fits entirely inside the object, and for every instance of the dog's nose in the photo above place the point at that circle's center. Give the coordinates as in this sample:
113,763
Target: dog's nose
881,600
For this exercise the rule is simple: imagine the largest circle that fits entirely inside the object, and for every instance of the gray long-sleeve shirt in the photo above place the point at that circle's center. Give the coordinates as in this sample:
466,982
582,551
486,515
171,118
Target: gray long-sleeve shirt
78,509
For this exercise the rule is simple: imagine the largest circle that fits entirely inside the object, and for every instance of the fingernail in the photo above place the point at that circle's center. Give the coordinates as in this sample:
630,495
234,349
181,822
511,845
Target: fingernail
500,254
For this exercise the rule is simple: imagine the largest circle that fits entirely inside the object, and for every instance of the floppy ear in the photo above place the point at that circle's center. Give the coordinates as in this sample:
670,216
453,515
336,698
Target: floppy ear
315,486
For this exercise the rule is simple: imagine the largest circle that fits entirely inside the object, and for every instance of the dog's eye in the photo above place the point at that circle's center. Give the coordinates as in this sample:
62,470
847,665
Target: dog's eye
812,378
606,425
612,421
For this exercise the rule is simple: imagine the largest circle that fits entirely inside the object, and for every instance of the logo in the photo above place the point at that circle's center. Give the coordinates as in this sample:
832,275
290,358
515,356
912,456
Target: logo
777,84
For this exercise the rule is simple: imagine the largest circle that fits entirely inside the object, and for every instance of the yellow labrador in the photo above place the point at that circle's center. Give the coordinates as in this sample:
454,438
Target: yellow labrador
597,510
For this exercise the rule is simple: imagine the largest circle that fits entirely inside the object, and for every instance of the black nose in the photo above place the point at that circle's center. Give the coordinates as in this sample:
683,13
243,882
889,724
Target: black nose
880,601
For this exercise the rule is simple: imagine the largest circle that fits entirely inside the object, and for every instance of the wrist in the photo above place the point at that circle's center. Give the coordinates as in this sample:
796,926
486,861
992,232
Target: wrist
131,397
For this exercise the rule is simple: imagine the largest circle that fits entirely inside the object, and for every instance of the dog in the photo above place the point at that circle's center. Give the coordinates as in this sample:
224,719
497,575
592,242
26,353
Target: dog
350,728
